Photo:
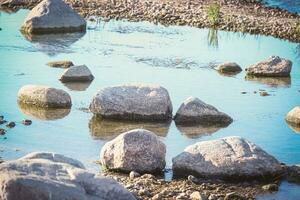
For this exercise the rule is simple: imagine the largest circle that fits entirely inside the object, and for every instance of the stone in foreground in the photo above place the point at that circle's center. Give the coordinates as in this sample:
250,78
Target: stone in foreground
80,73
133,102
44,96
293,116
272,67
136,150
50,176
228,67
231,158
61,64
194,111
53,16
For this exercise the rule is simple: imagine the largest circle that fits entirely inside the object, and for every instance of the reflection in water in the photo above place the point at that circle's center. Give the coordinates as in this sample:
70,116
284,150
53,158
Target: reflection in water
197,131
77,86
212,38
178,63
271,81
53,44
42,113
108,129
294,127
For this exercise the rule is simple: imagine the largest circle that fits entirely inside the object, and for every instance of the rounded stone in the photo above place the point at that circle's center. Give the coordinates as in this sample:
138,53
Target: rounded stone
293,116
80,73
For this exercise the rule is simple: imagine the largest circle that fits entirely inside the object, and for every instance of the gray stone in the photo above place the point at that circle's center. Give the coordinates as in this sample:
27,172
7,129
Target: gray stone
53,16
293,116
195,111
80,73
133,102
270,187
44,96
61,64
50,176
228,158
133,175
228,67
272,67
136,150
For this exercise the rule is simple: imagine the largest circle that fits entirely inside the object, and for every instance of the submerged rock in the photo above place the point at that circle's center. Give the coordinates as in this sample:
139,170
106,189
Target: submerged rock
293,116
44,96
80,73
27,122
61,64
228,67
272,67
230,158
137,150
53,16
52,176
195,111
11,125
133,102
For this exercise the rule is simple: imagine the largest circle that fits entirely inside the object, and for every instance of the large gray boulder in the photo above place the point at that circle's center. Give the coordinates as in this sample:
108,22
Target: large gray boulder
44,96
194,111
79,73
49,176
272,67
136,150
293,116
133,102
53,16
229,158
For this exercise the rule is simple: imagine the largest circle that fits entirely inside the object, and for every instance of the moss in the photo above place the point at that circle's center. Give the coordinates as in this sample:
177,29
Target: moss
213,14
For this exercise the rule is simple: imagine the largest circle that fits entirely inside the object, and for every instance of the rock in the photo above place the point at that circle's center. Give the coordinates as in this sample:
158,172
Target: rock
233,196
27,122
195,111
270,187
53,16
79,73
136,150
272,67
228,67
133,175
230,158
1,117
11,125
2,131
52,176
3,122
264,93
133,102
197,196
61,64
293,173
44,96
293,116
15,3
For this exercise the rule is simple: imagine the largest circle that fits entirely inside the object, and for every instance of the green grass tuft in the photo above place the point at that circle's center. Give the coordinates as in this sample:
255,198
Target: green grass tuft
213,14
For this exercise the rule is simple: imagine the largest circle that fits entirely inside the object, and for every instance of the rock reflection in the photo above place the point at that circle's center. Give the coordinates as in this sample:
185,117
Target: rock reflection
197,131
271,81
77,86
294,127
212,38
107,129
42,113
53,44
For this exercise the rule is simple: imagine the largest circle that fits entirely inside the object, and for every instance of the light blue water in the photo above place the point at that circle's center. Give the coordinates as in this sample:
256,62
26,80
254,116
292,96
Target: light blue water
290,5
176,57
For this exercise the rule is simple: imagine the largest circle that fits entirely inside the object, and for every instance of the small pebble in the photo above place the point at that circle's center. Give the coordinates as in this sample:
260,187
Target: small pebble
2,131
264,93
244,92
133,175
11,124
27,122
2,121
270,187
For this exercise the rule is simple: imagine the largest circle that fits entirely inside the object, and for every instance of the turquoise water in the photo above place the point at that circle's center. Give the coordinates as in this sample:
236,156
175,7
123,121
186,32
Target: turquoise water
178,58
290,5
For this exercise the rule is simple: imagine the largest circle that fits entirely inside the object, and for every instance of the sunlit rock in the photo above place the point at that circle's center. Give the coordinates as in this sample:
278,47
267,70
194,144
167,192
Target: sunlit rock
79,73
228,68
61,64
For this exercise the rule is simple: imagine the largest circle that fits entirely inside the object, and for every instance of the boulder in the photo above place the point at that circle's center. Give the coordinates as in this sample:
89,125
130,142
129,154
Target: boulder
136,150
53,16
194,111
61,64
80,73
44,96
293,116
272,67
50,176
232,158
228,67
133,102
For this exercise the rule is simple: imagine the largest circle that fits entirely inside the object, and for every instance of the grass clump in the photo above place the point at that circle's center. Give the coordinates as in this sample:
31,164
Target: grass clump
213,14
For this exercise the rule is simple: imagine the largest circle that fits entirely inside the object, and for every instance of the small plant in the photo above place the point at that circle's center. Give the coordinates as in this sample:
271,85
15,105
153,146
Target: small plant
213,14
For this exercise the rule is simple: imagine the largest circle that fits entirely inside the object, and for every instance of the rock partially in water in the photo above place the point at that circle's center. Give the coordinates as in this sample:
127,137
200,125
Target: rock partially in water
10,124
133,102
80,73
53,16
61,64
2,131
270,187
272,67
271,81
293,117
53,176
44,96
43,113
231,158
108,129
27,122
137,150
195,111
228,68
293,173
17,3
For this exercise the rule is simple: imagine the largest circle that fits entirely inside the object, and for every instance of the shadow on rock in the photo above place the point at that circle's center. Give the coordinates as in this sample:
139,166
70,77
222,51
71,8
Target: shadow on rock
53,44
108,129
271,81
294,127
42,113
77,86
197,131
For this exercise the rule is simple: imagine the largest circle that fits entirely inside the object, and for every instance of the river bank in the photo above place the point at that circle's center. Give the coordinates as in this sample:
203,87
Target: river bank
235,15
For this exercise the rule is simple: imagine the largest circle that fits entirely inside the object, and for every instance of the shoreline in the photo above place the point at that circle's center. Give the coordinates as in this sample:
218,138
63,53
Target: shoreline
235,15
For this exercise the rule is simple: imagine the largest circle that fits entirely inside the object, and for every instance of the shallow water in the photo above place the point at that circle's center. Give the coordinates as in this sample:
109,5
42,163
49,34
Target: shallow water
178,58
290,5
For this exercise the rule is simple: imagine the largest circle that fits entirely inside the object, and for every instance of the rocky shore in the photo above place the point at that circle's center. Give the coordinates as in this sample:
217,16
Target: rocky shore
232,15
